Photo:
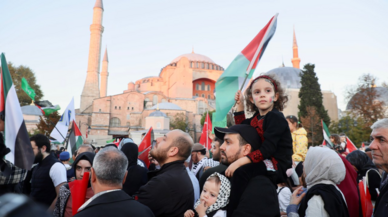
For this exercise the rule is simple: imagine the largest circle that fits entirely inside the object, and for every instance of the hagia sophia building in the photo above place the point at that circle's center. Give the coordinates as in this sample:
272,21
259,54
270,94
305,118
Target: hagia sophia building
184,86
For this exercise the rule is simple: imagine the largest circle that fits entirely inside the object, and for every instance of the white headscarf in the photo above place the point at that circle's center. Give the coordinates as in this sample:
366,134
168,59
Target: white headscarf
323,166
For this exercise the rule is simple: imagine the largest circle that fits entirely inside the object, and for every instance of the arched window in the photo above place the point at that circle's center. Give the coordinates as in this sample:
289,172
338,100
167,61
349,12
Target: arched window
99,110
203,85
196,65
191,64
203,65
127,108
207,65
115,107
196,94
132,108
212,66
115,122
208,87
119,107
158,125
197,86
208,96
203,95
155,99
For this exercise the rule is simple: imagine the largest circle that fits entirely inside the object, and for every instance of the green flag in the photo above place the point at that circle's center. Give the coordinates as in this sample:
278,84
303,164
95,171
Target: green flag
326,134
29,91
110,141
216,123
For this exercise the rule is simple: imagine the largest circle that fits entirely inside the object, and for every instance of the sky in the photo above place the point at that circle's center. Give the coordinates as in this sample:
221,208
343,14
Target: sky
344,39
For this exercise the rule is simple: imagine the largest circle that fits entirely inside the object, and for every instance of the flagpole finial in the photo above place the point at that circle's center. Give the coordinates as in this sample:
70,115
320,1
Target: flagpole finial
192,50
157,107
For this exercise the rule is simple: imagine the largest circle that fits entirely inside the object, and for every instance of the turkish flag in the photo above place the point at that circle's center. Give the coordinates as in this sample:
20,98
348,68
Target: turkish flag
366,202
350,146
145,147
207,128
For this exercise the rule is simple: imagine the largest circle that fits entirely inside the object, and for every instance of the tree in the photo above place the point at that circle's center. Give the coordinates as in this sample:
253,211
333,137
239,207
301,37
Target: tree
204,117
363,101
355,129
47,123
310,94
312,123
179,122
17,73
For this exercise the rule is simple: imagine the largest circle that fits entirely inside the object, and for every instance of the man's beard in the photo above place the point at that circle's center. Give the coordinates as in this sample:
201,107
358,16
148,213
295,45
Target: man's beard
226,160
217,157
38,158
159,155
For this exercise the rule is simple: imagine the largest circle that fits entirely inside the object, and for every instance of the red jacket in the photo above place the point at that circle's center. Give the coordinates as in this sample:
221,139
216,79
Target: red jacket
349,188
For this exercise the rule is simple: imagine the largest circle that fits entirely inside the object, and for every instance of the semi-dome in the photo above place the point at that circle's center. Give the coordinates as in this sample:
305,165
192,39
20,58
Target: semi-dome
381,91
194,57
31,110
288,76
166,106
157,114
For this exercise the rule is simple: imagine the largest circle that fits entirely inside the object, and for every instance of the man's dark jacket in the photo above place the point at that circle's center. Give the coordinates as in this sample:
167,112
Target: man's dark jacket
116,203
381,206
169,191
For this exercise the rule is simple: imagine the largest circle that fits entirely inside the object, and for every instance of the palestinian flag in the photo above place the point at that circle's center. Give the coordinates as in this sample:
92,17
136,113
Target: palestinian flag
16,135
242,68
75,139
326,135
350,146
46,107
145,147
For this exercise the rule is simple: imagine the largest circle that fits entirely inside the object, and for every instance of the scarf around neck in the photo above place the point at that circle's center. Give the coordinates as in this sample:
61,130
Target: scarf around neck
198,166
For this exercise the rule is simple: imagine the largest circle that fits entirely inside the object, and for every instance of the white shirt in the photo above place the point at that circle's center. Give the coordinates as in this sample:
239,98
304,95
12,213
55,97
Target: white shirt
219,213
284,197
195,183
58,174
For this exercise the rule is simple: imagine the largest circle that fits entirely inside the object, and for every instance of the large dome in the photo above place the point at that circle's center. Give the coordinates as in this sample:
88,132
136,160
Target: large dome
383,96
288,76
194,57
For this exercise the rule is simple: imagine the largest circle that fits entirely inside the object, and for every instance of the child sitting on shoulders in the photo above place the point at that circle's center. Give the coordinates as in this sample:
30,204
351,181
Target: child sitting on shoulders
214,197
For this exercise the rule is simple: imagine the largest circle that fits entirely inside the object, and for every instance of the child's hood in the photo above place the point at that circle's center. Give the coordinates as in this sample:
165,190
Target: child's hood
300,131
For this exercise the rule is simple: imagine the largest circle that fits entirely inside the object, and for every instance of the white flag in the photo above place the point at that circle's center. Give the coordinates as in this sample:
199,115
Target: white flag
60,131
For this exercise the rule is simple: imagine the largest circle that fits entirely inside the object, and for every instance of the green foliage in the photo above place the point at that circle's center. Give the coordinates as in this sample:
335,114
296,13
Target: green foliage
310,94
179,122
355,129
47,123
204,117
17,73
312,124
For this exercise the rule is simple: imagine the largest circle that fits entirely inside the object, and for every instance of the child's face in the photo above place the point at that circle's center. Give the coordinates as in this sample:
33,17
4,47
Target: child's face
210,192
263,95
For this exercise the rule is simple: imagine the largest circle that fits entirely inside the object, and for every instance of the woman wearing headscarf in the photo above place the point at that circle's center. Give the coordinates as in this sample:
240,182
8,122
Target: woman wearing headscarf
365,167
137,175
324,169
64,206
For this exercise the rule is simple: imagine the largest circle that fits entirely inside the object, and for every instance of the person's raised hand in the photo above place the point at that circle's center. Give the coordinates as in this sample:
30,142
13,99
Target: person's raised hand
295,199
239,101
189,213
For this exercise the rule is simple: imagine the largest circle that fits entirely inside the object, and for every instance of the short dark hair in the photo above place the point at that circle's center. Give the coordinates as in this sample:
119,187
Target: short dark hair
40,141
184,145
220,141
241,140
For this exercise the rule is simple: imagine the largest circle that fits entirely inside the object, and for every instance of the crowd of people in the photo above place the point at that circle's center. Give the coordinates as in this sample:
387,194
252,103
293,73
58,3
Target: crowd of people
261,166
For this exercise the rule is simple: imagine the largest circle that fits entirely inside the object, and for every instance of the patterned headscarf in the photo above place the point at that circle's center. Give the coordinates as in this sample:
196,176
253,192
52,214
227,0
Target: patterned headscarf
223,194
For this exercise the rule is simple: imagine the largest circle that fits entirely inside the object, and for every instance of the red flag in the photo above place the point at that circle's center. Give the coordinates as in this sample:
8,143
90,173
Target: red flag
78,190
363,145
366,202
145,147
350,146
207,128
77,132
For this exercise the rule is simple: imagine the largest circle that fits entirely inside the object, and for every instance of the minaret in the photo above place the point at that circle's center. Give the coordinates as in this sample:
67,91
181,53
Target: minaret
91,89
295,60
104,74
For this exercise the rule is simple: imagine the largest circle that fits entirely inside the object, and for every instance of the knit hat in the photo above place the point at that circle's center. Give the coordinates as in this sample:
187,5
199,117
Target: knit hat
64,155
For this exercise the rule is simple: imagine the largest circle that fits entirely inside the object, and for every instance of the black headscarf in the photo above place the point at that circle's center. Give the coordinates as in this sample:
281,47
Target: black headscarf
137,175
361,161
89,156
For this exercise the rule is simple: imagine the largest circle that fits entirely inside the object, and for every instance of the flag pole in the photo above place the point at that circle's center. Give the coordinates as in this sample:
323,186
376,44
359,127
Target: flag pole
257,54
207,130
